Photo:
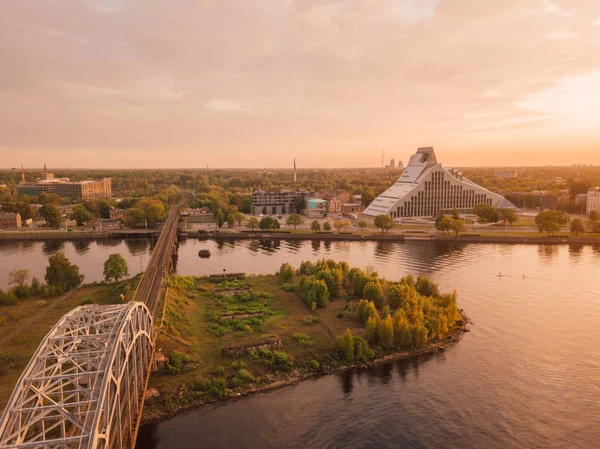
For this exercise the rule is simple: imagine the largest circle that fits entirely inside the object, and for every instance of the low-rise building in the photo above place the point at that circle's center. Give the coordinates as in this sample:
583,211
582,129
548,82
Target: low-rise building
276,203
10,220
117,214
352,208
316,208
593,200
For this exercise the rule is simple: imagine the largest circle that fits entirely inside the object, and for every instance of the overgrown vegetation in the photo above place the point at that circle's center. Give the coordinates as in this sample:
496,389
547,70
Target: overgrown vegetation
250,332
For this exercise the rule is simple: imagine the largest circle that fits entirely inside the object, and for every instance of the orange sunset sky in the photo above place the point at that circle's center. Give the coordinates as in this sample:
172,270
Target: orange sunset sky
254,83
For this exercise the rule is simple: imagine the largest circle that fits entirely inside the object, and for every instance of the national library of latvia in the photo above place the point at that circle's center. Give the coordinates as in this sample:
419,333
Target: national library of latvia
425,188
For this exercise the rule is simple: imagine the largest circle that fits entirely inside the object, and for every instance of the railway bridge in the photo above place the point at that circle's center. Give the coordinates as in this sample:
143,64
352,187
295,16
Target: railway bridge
84,386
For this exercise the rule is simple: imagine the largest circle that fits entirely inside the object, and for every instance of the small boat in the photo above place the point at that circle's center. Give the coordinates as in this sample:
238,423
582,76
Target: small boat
204,253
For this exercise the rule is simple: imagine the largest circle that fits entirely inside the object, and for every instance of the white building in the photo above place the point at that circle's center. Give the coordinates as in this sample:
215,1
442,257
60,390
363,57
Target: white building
593,200
425,188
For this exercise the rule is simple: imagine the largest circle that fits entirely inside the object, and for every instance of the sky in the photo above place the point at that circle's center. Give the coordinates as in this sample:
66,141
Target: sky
257,83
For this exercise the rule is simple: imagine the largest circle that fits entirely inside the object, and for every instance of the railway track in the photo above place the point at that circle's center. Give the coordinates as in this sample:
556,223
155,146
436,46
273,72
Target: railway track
150,286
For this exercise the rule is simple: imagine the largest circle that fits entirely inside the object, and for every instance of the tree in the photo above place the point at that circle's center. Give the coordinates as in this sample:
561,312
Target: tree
341,224
299,203
286,271
269,223
457,226
444,225
18,277
230,220
154,213
486,213
385,332
384,222
374,292
508,215
252,223
577,226
62,274
115,268
51,214
25,210
551,221
134,216
80,214
455,214
315,226
220,218
594,215
315,292
327,226
294,220
239,217
365,310
362,224
346,345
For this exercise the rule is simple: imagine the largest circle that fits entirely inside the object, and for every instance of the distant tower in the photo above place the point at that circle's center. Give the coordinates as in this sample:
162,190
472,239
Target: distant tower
45,169
392,163
22,174
382,157
295,174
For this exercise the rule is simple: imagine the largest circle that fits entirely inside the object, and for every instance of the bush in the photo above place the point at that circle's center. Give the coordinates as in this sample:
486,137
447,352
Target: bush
315,292
310,320
288,287
176,362
302,339
8,298
286,272
314,364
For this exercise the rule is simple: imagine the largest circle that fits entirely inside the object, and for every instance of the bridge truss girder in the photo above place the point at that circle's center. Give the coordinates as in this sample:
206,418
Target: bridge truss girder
84,385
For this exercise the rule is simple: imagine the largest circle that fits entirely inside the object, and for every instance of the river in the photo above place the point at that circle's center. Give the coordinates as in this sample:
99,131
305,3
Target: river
526,376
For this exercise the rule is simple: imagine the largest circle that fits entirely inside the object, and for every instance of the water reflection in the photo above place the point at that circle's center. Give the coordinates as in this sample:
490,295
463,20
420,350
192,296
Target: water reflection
81,246
316,245
49,247
575,252
137,246
547,253
108,243
384,249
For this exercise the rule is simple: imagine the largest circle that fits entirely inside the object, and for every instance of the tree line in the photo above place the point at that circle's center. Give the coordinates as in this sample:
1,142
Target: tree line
61,276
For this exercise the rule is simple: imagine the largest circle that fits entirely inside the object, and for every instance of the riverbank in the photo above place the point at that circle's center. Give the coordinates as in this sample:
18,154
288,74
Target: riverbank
153,415
295,236
518,238
78,235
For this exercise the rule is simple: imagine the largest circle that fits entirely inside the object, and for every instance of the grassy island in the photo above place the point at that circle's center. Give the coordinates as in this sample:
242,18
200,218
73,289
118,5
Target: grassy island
232,335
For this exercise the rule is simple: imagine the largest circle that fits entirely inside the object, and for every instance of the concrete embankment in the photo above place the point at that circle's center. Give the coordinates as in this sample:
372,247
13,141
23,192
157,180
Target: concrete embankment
291,236
531,240
76,235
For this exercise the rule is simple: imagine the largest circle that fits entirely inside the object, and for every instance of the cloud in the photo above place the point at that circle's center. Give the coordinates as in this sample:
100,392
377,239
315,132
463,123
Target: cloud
276,77
225,105
563,35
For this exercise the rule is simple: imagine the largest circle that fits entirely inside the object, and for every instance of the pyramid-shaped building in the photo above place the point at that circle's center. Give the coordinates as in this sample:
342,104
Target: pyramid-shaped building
425,188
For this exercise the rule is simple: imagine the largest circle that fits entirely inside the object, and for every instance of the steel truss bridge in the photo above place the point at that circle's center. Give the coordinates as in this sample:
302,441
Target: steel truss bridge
84,386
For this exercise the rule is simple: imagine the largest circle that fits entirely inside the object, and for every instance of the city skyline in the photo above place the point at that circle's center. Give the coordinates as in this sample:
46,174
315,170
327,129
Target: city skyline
117,84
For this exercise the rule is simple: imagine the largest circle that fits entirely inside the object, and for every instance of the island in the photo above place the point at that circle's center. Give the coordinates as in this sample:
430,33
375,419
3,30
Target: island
230,335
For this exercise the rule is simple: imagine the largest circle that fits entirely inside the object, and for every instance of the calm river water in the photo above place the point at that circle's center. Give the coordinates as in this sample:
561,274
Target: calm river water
526,376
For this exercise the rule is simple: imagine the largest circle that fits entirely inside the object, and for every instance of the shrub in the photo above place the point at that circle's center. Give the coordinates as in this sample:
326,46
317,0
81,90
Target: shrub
288,287
374,292
426,287
315,291
302,339
286,272
176,361
310,320
314,364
